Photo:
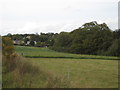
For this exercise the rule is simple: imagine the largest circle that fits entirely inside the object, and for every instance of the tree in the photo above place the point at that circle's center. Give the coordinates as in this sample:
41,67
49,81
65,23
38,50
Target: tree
91,38
62,41
7,46
32,43
114,49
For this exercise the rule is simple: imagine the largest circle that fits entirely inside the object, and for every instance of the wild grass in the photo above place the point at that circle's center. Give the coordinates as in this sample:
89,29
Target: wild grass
37,52
82,73
21,73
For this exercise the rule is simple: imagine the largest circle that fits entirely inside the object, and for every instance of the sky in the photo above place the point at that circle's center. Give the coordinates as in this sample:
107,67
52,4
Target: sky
36,16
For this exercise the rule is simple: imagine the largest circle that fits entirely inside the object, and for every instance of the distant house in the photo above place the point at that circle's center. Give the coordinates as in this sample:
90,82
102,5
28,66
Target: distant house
18,42
35,42
28,37
28,43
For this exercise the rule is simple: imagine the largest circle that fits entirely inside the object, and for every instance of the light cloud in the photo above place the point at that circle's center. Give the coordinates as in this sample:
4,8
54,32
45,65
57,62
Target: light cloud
32,16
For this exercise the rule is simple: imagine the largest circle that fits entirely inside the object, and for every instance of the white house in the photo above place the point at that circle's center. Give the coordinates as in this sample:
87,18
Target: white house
28,43
28,37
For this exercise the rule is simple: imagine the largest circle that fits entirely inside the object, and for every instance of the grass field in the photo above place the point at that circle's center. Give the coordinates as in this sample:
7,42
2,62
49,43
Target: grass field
36,52
81,71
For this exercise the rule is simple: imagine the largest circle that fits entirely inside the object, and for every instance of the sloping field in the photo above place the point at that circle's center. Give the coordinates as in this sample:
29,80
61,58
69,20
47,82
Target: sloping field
90,71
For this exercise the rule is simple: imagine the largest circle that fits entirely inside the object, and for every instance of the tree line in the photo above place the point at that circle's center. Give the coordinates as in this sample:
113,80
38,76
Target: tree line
39,40
91,38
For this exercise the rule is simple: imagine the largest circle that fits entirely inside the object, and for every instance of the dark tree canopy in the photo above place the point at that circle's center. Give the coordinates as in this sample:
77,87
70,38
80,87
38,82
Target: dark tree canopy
91,38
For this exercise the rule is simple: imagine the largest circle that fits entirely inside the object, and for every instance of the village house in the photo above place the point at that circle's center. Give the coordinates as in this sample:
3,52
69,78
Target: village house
18,42
28,43
28,37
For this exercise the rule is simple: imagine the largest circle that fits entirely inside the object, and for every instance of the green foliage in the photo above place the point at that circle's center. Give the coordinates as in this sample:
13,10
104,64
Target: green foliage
32,43
62,41
41,44
116,34
7,46
91,38
114,49
8,55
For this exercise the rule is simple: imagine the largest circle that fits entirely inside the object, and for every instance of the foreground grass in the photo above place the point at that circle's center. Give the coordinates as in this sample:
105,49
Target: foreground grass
37,52
65,70
83,73
53,73
24,74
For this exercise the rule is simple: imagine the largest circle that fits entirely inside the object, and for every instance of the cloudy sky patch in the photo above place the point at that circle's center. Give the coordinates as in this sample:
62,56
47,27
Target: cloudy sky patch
35,16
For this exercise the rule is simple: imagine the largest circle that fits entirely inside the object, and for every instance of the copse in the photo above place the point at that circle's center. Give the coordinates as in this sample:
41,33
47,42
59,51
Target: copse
62,42
90,38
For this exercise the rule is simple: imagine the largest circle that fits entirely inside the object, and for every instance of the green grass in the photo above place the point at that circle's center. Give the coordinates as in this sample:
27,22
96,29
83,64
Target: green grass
37,52
83,73
27,74
90,72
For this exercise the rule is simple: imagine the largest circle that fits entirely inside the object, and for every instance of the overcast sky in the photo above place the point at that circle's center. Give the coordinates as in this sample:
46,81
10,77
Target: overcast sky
35,16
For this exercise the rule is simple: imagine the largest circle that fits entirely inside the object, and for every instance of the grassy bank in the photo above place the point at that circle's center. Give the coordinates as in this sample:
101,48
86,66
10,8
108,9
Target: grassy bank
22,73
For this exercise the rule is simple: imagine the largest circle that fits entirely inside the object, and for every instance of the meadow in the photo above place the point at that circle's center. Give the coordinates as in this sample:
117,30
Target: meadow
37,52
80,71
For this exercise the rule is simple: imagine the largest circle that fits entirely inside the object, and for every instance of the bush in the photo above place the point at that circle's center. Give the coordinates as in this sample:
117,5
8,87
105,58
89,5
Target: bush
7,46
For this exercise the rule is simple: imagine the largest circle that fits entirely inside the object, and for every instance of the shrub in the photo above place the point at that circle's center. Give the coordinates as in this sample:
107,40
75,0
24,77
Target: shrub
7,46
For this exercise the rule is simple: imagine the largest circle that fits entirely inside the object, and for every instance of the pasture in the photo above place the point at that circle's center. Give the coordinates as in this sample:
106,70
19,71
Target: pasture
81,71
36,52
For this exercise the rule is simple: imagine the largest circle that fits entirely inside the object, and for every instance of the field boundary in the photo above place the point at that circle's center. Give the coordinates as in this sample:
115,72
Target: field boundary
72,57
